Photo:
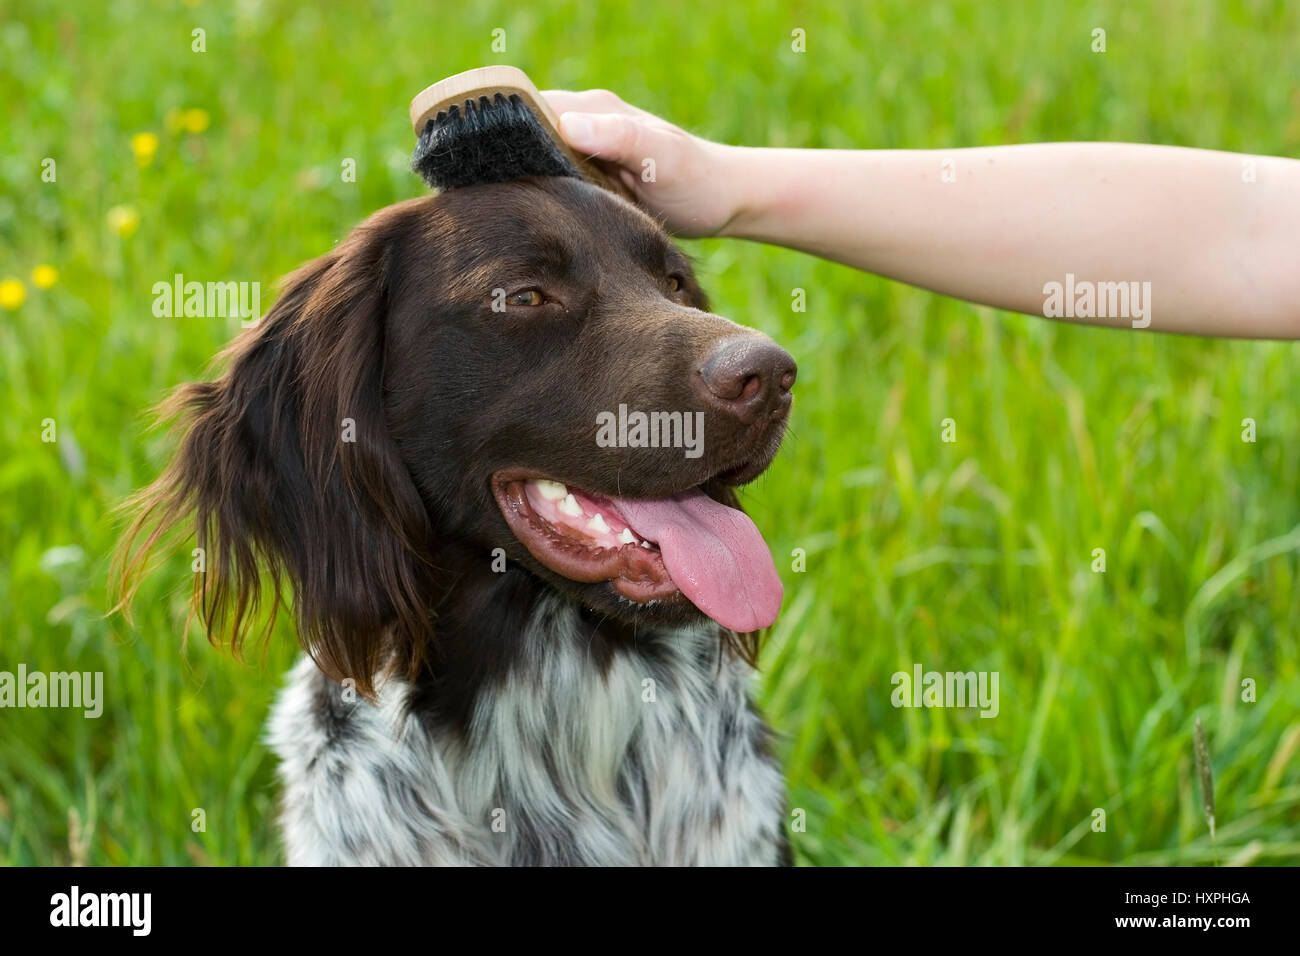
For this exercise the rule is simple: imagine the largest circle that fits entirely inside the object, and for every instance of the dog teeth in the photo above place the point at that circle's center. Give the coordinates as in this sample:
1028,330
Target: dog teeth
597,523
627,537
551,490
570,506
645,544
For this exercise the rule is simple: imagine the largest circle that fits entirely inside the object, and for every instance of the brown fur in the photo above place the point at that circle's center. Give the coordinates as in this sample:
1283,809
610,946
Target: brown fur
378,539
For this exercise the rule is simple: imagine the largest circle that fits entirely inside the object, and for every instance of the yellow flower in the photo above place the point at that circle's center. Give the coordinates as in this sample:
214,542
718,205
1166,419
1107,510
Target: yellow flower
44,277
144,145
12,293
124,221
195,120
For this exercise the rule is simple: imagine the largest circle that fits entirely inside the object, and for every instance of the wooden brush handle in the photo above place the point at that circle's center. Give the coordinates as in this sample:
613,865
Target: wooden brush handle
509,81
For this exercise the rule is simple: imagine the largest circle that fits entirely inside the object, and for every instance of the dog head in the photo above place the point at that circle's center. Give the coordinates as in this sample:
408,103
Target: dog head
520,374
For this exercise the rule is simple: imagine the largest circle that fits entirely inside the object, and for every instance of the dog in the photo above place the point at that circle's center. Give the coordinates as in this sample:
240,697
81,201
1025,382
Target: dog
524,646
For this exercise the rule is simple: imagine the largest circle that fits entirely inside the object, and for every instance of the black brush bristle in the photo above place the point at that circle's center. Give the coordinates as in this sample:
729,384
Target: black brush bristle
486,141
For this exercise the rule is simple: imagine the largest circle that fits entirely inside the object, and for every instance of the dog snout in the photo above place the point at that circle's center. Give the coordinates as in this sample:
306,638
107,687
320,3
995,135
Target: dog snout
748,378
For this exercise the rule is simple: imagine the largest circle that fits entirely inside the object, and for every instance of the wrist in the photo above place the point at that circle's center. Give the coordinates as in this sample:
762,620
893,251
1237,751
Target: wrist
735,177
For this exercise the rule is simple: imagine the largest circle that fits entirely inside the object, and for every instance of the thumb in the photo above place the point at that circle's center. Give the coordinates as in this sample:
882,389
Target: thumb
609,136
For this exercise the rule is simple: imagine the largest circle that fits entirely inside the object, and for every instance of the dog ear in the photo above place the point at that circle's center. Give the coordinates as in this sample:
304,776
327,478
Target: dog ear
288,469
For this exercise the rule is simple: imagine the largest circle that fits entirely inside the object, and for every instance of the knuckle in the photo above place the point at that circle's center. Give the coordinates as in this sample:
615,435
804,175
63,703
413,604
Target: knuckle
605,98
628,135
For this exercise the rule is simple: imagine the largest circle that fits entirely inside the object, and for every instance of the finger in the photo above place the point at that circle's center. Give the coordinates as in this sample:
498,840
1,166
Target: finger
588,101
619,179
610,136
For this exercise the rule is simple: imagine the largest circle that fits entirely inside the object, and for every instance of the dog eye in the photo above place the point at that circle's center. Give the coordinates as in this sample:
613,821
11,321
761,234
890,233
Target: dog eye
675,283
525,297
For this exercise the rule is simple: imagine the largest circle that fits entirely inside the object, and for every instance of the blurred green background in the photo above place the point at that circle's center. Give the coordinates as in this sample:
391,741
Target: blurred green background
975,555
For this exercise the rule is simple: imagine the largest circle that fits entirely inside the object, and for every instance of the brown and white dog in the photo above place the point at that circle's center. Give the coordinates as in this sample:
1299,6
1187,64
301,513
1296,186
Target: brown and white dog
526,646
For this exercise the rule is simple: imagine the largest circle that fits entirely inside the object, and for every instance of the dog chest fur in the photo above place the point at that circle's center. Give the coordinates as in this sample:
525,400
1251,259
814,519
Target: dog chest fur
656,756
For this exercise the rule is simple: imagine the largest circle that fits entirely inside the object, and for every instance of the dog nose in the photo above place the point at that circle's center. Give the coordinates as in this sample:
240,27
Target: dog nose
749,377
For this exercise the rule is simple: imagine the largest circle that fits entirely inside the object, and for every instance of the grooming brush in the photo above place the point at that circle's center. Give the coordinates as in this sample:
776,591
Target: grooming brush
490,125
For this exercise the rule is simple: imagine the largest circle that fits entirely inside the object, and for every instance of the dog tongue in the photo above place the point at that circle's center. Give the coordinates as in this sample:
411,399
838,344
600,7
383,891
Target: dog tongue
714,554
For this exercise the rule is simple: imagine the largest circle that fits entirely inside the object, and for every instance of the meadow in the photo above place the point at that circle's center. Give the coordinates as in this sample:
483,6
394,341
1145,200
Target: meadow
977,554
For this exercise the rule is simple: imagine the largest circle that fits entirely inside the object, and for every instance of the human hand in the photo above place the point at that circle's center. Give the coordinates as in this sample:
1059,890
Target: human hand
683,178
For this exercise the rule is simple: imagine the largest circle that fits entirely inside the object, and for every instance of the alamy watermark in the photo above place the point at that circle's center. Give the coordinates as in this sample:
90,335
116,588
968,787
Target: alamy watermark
651,430
922,688
132,911
207,300
1083,299
83,689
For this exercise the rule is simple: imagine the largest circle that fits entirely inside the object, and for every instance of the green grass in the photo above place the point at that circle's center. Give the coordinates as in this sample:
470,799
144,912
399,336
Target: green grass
973,555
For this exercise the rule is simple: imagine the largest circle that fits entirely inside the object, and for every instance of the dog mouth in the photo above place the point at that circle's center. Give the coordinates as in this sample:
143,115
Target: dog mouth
682,547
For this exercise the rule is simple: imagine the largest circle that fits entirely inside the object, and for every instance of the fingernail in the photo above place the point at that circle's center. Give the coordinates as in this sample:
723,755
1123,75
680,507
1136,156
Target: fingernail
578,130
